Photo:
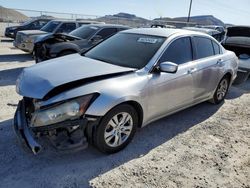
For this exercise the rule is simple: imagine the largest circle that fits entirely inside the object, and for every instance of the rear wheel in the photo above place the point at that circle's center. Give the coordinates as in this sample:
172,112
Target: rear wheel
116,130
221,90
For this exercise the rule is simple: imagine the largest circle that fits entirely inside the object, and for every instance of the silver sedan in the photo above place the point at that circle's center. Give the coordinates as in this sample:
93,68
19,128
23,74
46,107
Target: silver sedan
124,83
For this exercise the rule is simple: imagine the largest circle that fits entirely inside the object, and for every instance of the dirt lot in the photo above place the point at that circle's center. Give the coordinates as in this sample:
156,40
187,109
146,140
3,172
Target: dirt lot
203,146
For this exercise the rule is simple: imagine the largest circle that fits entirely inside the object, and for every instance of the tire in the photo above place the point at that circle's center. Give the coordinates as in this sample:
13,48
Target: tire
221,90
117,136
37,57
66,52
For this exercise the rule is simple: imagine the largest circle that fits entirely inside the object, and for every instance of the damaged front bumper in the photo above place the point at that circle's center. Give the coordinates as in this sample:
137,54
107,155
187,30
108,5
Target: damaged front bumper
22,131
70,139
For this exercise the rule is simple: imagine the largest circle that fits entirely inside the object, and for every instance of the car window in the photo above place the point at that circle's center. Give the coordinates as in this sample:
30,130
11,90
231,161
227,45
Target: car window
204,47
179,51
38,24
216,48
51,26
83,23
85,32
106,32
42,23
122,28
66,28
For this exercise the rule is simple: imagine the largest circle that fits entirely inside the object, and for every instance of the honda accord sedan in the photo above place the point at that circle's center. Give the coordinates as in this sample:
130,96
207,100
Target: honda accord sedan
127,81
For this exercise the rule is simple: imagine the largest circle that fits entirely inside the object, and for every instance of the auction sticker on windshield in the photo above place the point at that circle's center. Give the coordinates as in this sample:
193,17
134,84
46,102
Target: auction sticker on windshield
148,40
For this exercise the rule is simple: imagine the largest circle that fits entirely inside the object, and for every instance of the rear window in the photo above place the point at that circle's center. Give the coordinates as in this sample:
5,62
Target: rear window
204,47
216,48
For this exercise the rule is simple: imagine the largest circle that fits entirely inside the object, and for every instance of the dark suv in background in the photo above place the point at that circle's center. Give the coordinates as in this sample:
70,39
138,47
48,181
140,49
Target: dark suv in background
25,39
34,24
77,41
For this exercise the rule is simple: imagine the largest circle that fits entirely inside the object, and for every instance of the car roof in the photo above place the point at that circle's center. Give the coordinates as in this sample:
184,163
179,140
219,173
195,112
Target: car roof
162,32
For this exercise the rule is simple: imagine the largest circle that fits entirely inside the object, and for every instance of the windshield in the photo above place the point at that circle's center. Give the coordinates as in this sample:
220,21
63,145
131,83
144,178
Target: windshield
28,22
127,50
238,32
50,26
84,32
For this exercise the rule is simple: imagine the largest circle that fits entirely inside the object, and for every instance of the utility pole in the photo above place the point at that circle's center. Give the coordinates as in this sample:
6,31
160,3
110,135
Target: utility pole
189,12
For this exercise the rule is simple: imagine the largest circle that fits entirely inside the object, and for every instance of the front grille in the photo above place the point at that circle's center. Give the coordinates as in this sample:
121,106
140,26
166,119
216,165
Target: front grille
18,38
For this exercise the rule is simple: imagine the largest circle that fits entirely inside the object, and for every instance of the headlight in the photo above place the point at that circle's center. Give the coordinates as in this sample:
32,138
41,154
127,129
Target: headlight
69,110
28,40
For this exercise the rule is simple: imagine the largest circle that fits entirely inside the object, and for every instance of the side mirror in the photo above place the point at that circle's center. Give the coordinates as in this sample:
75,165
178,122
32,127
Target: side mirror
168,67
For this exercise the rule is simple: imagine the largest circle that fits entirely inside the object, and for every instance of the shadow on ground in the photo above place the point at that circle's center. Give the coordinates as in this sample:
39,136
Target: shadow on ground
238,90
7,40
15,57
55,169
9,76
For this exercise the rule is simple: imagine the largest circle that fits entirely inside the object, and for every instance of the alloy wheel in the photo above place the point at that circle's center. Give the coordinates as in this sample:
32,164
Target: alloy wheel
118,129
222,89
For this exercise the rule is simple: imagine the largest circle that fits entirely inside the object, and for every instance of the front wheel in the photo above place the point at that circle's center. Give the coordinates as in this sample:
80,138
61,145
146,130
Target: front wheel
116,130
221,90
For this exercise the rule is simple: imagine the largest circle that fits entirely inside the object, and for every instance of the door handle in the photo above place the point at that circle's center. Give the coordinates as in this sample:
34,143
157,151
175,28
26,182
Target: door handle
220,62
192,70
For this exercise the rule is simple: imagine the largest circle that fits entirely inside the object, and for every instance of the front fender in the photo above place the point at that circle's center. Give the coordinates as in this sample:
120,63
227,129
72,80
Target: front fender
57,48
43,38
105,103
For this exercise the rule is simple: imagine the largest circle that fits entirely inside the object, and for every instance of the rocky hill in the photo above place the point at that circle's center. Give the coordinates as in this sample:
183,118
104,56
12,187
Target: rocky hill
134,21
125,19
10,15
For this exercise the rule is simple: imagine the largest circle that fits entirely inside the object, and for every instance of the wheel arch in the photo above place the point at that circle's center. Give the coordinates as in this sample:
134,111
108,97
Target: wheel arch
138,109
104,105
229,75
66,50
60,47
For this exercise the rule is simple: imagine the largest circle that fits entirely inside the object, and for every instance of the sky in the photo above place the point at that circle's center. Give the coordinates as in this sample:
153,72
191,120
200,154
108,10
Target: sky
229,11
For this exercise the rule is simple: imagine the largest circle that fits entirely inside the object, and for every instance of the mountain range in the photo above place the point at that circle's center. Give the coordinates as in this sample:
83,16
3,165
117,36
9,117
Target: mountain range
10,15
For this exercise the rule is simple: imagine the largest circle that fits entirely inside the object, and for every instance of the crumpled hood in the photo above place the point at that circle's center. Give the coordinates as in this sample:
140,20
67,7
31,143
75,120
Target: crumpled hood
40,79
33,32
56,35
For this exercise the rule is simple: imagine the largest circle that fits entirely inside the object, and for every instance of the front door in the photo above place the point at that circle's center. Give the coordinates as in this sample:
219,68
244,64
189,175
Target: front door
169,92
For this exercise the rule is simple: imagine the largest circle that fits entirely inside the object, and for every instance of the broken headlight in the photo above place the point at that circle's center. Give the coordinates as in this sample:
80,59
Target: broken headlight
69,110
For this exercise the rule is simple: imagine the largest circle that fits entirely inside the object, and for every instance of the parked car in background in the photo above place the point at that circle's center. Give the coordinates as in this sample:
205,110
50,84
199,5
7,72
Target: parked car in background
219,28
125,82
219,36
29,25
79,40
238,40
25,39
162,26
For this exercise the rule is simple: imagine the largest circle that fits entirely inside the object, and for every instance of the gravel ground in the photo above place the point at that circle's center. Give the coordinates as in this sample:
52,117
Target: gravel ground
203,146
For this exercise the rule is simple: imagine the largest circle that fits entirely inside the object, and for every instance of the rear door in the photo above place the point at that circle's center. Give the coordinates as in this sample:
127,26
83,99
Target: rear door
206,66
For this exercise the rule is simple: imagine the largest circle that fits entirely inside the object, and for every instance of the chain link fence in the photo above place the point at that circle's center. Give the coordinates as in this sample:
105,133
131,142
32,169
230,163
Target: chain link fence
9,17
